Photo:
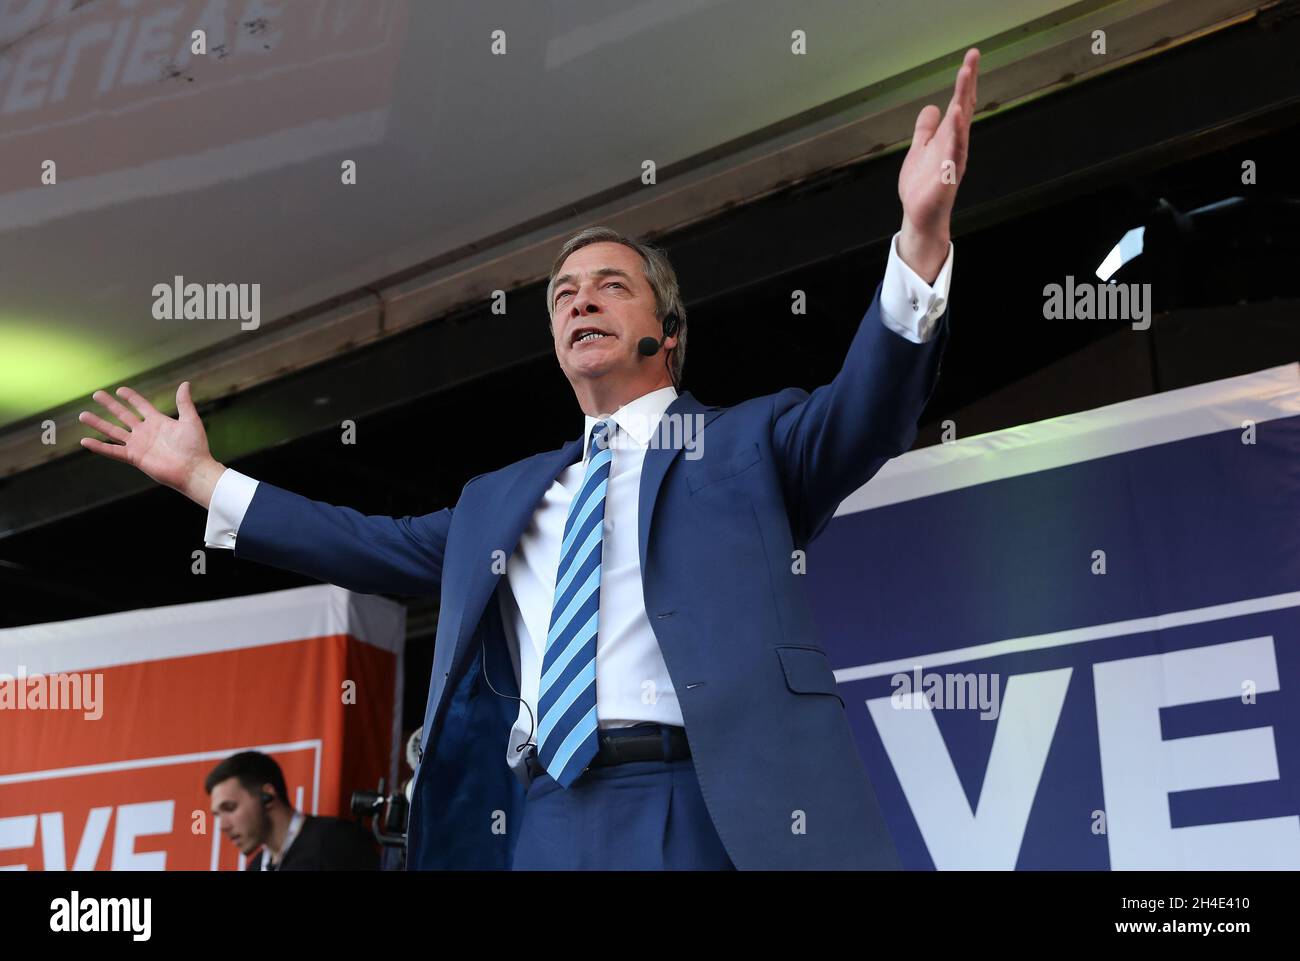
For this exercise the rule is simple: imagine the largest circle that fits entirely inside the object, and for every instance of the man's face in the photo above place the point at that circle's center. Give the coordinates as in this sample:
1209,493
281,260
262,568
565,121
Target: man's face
241,815
602,289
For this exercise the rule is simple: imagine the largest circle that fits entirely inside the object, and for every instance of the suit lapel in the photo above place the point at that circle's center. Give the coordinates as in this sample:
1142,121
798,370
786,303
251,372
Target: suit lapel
502,531
690,416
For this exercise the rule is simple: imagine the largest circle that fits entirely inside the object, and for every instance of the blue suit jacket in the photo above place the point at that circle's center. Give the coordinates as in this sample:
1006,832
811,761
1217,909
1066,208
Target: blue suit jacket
774,755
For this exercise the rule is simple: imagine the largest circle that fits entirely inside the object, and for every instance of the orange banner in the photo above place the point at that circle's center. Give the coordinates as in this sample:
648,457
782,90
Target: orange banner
102,768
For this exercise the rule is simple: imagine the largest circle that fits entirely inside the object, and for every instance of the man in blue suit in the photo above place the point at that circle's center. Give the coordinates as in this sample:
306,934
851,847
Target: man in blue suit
626,672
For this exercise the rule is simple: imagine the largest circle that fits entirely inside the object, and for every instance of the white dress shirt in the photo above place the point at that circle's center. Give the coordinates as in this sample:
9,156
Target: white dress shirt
295,825
632,682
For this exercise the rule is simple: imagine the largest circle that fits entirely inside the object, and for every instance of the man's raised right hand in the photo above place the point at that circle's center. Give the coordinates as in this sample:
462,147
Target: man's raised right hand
171,451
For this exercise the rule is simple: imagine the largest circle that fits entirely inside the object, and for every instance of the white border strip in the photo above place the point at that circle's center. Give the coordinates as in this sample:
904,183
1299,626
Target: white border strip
134,764
184,630
1073,438
1078,635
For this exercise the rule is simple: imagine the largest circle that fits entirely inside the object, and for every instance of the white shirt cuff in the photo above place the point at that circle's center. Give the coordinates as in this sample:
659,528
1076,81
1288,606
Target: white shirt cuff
908,305
230,500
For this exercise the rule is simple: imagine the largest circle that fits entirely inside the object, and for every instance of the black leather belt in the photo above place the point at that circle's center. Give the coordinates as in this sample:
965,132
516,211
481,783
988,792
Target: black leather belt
644,742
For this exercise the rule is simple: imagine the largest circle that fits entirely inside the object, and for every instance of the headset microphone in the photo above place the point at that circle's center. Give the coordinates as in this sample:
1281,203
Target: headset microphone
648,346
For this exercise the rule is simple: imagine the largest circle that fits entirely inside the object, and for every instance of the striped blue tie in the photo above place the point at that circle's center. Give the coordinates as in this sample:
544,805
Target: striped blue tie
567,693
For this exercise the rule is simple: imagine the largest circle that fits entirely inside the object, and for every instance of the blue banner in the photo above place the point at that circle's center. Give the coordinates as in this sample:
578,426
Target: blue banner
1076,644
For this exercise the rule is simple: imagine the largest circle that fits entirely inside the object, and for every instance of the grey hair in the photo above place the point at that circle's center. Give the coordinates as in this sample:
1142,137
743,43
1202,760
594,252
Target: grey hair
659,274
